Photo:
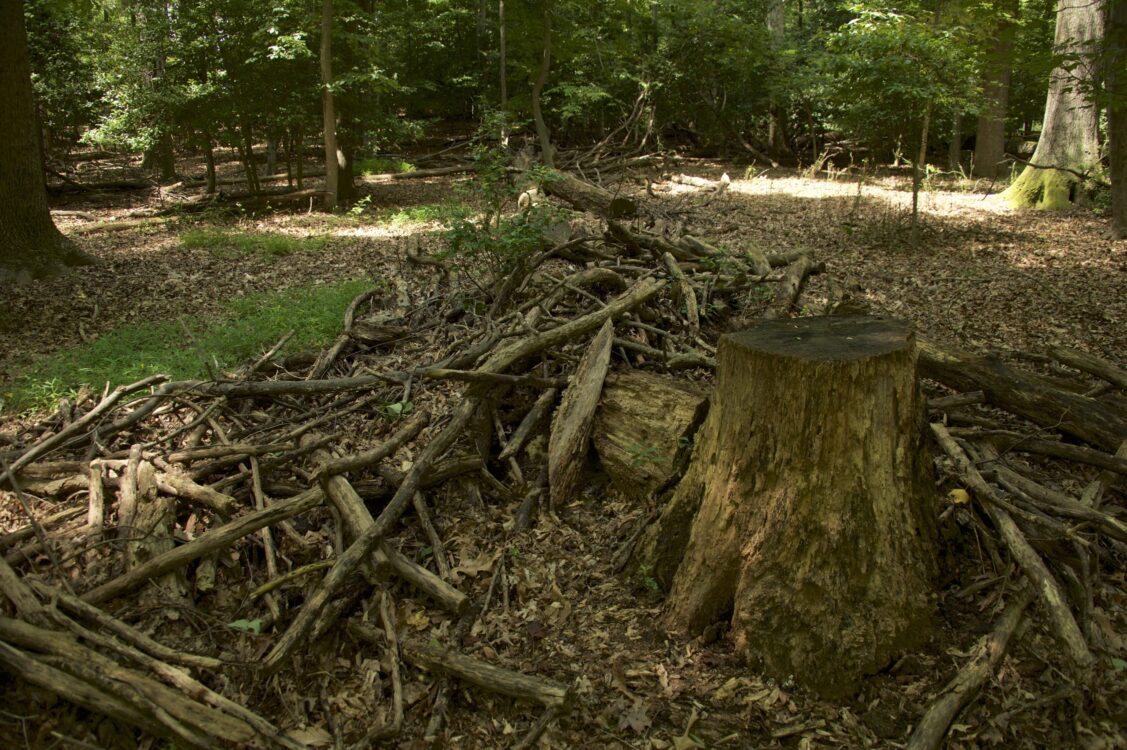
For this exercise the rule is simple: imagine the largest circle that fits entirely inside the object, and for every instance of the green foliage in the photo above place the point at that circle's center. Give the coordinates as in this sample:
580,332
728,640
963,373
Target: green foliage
448,212
265,244
888,69
379,165
190,348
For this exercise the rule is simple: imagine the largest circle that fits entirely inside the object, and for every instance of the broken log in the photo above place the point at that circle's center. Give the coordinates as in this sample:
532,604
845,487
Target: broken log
645,422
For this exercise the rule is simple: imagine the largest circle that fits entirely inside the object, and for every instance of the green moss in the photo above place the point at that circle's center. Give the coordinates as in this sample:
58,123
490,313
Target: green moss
187,349
1048,189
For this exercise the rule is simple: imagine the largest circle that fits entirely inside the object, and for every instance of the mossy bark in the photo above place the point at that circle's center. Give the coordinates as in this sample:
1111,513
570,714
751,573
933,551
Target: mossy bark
815,529
1069,135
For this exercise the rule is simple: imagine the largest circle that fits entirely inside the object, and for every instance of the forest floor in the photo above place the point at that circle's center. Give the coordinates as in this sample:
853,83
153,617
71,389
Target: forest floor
982,277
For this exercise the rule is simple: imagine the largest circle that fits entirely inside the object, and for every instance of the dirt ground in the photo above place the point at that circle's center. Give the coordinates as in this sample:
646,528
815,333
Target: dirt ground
983,277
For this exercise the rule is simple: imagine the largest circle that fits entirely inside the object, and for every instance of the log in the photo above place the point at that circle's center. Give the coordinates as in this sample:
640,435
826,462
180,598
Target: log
571,430
1092,365
485,675
815,531
588,197
1025,394
645,422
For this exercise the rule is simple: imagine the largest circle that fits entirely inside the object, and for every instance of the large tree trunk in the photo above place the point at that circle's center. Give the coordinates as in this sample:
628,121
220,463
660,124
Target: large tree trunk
776,128
332,190
1069,133
30,244
1116,67
990,138
815,528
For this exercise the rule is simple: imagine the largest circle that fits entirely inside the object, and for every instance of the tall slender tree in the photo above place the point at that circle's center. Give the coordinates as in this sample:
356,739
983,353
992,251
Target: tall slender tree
30,243
1069,144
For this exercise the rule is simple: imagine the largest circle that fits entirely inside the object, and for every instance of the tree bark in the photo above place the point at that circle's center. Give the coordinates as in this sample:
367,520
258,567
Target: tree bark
1069,134
776,128
990,137
1116,67
815,528
30,244
546,150
328,112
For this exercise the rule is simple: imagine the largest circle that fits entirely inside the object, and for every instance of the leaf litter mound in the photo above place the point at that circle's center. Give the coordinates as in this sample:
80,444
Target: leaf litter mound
361,549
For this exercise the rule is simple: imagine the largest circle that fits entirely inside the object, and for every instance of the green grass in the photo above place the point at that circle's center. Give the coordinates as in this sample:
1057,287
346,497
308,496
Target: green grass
442,212
265,244
184,349
379,165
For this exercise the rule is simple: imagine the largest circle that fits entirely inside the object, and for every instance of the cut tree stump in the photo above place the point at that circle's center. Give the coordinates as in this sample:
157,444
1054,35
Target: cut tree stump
644,423
815,532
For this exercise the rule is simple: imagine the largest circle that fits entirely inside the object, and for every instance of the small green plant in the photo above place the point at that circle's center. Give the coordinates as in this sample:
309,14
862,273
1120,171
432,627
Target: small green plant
265,244
399,409
440,212
646,579
380,165
357,209
246,626
643,455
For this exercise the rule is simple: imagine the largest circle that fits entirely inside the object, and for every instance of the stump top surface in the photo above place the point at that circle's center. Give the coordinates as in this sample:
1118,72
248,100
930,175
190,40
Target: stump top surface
829,338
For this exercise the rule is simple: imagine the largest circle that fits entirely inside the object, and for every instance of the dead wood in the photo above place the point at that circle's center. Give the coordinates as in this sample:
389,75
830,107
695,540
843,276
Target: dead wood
206,543
1064,624
1025,394
530,424
786,296
1092,365
571,429
644,426
931,730
487,676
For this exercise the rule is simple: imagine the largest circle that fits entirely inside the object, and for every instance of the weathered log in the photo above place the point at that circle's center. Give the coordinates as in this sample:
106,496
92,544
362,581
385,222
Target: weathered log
815,527
571,430
357,519
1092,365
786,295
644,423
588,197
1025,394
485,675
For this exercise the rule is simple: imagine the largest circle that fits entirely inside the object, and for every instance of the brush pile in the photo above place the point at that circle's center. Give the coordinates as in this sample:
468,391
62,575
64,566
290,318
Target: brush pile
304,503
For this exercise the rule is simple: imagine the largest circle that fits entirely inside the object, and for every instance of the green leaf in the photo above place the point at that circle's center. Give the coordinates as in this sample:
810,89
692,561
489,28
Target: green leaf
247,626
1119,664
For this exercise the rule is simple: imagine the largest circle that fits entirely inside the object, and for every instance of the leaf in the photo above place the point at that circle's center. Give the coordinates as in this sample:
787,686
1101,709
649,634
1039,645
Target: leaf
635,719
247,626
312,736
1119,664
958,496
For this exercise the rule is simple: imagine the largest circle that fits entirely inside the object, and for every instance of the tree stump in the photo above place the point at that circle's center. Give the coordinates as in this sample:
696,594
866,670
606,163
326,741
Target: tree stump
815,528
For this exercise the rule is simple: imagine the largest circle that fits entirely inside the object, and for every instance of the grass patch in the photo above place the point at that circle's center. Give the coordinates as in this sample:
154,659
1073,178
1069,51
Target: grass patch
440,212
265,244
378,165
189,349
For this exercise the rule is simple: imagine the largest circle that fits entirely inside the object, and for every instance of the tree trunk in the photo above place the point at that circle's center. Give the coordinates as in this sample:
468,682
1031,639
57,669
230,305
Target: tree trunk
776,128
328,113
1069,134
30,244
990,137
815,528
1116,67
546,151
209,159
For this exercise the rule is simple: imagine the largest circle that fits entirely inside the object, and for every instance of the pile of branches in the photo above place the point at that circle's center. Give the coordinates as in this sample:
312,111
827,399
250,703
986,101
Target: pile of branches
167,480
